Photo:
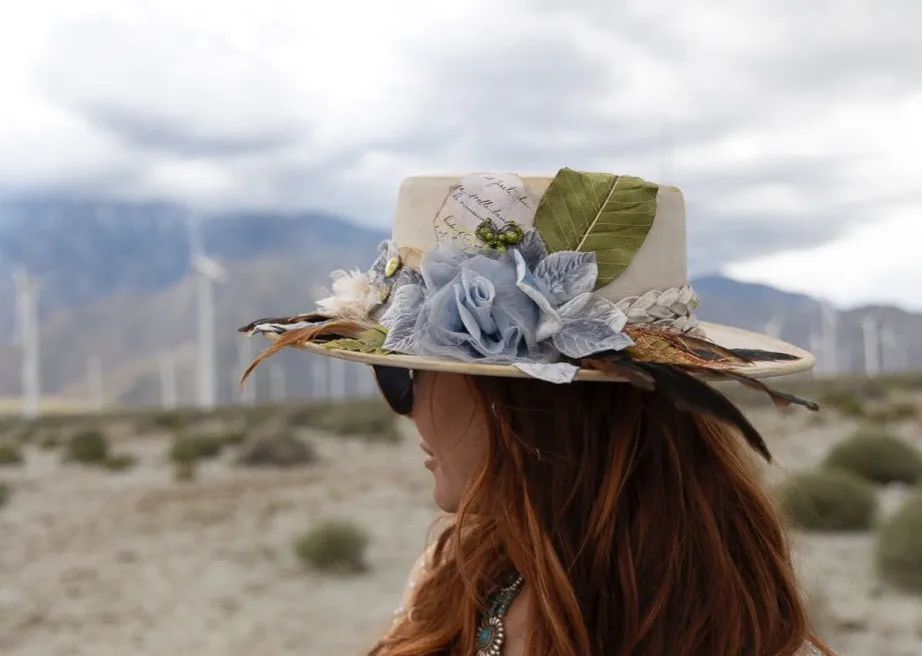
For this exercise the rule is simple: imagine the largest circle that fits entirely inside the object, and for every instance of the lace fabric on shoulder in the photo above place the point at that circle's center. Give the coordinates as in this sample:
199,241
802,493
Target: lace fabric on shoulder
416,574
809,649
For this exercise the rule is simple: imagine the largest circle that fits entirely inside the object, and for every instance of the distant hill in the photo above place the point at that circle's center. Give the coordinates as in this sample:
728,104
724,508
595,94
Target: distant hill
86,250
116,286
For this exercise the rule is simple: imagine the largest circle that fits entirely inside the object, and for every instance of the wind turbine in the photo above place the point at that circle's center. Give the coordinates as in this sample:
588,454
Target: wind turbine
244,356
830,337
320,380
276,382
774,325
207,272
816,346
890,348
27,337
870,331
168,396
337,378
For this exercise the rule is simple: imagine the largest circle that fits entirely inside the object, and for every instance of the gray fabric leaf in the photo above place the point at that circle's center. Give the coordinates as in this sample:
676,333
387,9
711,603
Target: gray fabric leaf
401,317
567,274
532,249
555,372
595,326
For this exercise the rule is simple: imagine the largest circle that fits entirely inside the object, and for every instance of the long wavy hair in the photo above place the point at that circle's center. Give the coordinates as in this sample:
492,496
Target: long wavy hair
639,530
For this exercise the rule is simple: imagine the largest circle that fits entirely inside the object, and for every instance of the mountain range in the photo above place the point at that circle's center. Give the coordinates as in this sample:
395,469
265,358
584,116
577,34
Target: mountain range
116,286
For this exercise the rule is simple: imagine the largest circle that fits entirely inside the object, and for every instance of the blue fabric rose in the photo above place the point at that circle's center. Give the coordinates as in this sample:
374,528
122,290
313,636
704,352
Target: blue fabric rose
465,307
522,306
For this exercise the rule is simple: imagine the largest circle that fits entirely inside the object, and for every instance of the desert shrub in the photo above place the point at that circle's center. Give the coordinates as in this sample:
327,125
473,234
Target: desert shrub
88,446
6,491
170,420
335,546
195,447
370,420
830,500
844,402
120,462
276,449
877,456
899,546
893,413
10,455
49,441
234,437
184,470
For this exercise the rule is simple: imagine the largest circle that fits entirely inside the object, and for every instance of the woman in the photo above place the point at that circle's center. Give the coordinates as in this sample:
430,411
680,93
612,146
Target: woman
601,500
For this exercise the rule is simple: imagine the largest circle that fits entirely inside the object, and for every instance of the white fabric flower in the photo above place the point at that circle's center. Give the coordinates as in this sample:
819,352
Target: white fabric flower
354,295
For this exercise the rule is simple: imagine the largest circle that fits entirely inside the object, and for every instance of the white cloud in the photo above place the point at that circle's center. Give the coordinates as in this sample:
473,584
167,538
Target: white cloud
791,124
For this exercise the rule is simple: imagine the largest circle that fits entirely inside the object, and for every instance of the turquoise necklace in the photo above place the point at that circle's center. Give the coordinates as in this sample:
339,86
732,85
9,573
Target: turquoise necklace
492,633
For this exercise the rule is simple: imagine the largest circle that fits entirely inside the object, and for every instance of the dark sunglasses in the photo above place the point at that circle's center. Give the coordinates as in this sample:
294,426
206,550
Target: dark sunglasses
396,385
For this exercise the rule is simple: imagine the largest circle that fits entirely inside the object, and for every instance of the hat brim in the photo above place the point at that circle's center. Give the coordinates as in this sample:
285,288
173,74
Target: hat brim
722,335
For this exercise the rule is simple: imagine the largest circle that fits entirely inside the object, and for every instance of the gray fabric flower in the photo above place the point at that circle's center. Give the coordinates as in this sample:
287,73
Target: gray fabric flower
467,307
577,322
522,306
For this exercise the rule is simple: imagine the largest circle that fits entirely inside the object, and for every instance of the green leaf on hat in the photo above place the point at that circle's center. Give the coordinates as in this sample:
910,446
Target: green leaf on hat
370,341
607,214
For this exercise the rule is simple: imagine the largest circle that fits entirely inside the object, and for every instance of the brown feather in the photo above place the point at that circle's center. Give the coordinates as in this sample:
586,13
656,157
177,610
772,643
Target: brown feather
619,367
657,344
333,329
677,383
779,398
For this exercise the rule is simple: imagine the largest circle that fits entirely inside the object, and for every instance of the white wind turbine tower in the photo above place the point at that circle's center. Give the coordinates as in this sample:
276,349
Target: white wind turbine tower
870,332
320,379
337,378
774,325
168,395
890,348
277,382
830,338
244,356
27,337
207,272
815,346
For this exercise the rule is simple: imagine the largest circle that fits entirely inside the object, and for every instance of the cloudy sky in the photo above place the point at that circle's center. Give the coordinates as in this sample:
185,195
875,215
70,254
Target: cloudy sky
793,127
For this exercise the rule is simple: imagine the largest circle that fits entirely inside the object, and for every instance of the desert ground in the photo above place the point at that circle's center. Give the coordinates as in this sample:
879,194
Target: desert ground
136,562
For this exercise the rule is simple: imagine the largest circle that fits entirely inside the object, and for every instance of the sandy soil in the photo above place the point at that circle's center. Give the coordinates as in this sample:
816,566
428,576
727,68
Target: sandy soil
103,563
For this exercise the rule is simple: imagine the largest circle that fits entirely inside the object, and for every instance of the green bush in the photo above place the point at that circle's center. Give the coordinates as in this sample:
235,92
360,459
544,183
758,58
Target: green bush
370,420
119,462
88,446
234,437
335,546
276,449
184,470
895,413
878,457
899,546
10,455
828,501
844,402
193,448
6,491
49,441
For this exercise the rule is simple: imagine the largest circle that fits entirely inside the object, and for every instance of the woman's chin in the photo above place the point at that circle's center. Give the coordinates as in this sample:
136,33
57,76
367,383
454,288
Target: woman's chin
445,500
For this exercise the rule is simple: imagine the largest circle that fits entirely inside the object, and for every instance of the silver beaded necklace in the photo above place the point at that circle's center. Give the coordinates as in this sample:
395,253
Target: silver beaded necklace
492,632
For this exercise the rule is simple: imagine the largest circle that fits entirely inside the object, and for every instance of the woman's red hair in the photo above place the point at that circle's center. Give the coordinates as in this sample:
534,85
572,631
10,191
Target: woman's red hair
639,530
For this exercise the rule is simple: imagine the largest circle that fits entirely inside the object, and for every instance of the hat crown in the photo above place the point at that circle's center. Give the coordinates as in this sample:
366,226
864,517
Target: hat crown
658,264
